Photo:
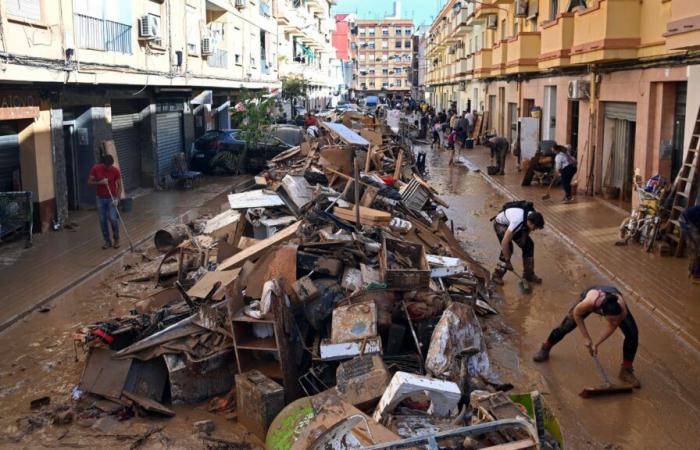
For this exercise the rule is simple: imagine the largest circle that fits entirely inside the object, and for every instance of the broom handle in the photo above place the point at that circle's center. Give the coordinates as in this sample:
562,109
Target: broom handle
599,366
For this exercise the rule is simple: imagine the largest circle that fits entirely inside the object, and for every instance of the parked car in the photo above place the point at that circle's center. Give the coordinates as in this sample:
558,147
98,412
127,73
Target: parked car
220,151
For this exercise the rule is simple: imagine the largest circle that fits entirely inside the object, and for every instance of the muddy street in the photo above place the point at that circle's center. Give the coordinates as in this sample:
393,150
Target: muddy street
657,416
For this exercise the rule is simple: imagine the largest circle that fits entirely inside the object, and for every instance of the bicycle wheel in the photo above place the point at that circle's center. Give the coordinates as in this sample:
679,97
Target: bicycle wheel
651,234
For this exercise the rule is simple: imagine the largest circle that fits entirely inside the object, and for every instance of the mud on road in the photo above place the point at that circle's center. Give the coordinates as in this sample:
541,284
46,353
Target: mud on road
660,415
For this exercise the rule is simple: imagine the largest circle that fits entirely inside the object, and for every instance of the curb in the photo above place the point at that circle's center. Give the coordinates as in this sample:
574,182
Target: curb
690,341
94,271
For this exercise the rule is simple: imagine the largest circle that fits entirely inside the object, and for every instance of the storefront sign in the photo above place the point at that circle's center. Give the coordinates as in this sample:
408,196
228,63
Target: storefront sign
18,106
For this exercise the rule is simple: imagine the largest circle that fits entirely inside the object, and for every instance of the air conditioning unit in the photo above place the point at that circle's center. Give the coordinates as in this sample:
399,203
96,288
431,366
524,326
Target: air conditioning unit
240,4
521,8
207,46
149,27
492,21
579,89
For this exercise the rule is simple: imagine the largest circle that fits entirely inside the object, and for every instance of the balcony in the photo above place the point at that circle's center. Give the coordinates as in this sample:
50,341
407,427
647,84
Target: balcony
100,34
499,58
683,30
482,63
482,10
465,67
556,39
523,51
607,31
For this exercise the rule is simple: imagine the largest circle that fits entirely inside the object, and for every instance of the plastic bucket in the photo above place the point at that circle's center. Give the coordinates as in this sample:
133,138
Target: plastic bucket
127,204
469,143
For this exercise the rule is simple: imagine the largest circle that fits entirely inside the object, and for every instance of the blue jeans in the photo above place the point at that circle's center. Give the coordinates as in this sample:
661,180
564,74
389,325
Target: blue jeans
108,216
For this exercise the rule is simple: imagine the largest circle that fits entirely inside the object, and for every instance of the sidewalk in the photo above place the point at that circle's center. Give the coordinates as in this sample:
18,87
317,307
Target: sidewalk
58,261
590,225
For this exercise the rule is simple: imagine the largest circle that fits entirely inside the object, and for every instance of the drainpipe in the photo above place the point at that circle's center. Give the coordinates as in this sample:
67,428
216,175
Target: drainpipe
592,126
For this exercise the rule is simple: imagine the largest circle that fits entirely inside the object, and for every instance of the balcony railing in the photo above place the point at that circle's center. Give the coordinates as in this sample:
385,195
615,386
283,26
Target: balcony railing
100,34
219,58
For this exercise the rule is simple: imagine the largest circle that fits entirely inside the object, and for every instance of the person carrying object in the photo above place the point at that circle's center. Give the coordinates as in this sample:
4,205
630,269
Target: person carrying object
107,180
607,302
565,165
514,223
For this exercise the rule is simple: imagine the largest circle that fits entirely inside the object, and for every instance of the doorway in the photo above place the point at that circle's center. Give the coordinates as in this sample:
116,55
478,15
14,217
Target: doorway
549,122
678,129
501,111
69,149
573,126
492,113
513,122
618,151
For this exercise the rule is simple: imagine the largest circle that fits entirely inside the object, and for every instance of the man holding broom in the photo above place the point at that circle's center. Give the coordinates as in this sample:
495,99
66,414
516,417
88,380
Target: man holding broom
107,180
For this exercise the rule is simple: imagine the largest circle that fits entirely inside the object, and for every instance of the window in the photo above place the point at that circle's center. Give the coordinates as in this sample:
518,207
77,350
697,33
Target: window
385,71
238,46
371,45
371,31
24,9
385,44
515,27
406,57
407,44
237,59
398,83
353,45
397,44
371,83
398,31
553,9
101,25
362,30
385,32
371,71
385,58
362,57
371,57
503,29
407,31
385,84
265,8
398,58
192,23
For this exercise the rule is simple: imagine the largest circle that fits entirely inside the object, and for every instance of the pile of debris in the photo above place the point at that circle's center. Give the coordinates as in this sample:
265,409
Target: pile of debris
334,289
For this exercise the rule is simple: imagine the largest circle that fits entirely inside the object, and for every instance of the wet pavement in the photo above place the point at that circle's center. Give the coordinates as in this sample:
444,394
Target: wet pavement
59,260
37,357
591,225
660,415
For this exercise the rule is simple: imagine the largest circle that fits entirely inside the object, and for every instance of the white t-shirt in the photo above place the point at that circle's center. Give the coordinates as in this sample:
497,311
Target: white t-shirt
512,217
561,161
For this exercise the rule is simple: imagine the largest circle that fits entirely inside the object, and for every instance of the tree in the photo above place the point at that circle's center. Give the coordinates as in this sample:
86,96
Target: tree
294,87
252,115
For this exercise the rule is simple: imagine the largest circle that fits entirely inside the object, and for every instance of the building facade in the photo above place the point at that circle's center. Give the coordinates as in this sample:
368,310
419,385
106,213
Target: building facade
382,51
419,64
305,46
151,75
614,79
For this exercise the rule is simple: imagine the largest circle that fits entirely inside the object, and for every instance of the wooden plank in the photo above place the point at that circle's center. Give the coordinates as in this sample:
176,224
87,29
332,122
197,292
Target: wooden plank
517,445
207,282
254,199
368,216
256,249
399,162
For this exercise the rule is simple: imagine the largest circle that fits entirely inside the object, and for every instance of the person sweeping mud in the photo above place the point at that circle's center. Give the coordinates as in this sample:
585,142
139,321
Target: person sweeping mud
606,301
514,223
499,150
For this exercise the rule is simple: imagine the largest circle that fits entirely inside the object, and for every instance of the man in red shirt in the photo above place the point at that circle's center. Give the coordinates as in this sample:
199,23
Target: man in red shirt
108,185
310,120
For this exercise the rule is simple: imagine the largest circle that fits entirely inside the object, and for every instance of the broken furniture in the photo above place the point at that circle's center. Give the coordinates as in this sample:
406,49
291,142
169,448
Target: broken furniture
404,265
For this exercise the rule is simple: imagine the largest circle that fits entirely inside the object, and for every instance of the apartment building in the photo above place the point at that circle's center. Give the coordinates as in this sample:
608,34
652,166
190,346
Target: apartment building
617,80
419,64
382,52
306,49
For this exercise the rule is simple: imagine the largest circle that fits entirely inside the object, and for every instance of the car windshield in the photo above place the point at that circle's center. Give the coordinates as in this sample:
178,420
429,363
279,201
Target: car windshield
291,136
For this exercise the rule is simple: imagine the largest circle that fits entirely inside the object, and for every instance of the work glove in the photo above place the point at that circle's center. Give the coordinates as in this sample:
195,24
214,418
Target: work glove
115,202
104,181
505,265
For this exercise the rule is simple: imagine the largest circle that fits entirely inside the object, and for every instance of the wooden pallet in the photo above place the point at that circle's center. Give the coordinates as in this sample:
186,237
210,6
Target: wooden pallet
684,189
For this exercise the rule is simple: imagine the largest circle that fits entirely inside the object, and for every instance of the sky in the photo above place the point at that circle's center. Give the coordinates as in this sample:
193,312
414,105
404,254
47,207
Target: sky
421,11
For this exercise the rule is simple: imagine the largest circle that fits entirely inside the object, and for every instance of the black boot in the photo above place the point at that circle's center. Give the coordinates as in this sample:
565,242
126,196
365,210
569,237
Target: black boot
542,355
529,271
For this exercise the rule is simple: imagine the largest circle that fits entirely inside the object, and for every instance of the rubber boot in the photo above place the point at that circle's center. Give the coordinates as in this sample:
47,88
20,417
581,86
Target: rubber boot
529,271
627,376
542,355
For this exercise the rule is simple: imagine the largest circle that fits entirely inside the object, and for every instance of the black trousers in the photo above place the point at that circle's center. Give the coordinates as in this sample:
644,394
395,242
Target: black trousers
567,174
521,238
628,328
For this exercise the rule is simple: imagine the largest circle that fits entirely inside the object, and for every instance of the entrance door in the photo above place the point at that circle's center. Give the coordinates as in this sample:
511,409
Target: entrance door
549,123
513,122
573,126
492,113
170,141
71,157
618,147
125,132
678,129
502,111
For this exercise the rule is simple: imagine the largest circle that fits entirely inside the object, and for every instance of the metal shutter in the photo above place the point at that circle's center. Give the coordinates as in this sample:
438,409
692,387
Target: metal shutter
126,140
169,139
9,156
621,110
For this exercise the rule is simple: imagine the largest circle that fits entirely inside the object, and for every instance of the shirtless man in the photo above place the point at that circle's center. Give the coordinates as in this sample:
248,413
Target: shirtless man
606,301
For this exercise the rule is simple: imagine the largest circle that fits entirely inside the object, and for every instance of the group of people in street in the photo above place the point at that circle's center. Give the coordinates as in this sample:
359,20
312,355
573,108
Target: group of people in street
449,129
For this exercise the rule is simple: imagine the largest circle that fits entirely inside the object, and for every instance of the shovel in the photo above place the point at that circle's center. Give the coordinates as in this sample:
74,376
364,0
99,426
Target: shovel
523,284
608,388
549,188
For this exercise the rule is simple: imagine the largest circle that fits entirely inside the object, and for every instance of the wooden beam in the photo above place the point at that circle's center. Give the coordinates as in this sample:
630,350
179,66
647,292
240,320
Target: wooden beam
255,250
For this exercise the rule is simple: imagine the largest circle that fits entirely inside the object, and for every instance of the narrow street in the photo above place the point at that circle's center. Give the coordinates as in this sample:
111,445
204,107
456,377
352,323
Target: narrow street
659,415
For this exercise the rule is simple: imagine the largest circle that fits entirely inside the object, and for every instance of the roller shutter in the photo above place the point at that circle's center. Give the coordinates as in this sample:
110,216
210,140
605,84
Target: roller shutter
621,110
9,156
170,141
126,140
